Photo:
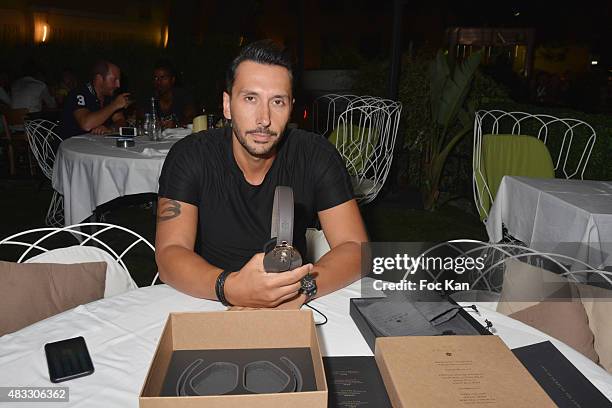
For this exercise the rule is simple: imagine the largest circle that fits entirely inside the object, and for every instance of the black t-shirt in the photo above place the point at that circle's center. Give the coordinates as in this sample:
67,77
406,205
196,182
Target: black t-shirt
234,216
180,100
79,98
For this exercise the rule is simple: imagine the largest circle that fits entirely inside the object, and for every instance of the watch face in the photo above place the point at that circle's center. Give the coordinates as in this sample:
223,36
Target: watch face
309,285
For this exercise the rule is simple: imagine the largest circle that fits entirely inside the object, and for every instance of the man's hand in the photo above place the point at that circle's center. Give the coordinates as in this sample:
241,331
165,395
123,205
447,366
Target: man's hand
252,286
121,101
100,130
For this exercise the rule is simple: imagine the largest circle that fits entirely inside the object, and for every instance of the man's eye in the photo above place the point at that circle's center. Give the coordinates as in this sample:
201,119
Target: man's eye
278,102
249,98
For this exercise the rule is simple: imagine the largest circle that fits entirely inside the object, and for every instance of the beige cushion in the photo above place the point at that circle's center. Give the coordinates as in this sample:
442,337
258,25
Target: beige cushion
565,321
598,306
118,280
32,292
526,285
316,245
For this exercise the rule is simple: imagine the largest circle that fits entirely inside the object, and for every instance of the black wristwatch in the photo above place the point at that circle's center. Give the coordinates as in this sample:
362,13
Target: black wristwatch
309,287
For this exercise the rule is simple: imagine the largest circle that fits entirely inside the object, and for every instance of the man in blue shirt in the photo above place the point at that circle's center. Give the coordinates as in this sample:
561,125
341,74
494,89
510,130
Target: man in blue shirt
90,108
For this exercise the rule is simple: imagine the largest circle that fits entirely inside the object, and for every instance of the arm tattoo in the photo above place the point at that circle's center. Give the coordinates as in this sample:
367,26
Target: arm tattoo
170,211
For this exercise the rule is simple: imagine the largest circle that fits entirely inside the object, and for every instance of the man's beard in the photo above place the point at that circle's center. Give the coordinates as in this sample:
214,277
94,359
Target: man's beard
261,151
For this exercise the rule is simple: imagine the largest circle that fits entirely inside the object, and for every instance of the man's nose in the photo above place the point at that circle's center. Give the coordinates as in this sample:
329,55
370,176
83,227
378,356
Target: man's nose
263,115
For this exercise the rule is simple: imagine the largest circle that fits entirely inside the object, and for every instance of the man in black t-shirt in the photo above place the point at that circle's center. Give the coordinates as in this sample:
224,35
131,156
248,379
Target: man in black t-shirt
175,104
89,108
217,189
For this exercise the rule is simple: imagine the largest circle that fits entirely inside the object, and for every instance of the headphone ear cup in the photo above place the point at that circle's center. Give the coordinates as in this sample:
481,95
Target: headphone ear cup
296,260
282,259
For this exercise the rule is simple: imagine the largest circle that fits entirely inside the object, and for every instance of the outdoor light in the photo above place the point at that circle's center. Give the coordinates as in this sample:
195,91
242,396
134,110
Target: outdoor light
165,36
42,31
45,28
517,13
594,62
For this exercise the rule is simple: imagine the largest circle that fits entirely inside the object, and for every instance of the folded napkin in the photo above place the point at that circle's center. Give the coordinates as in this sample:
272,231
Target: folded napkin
151,152
176,133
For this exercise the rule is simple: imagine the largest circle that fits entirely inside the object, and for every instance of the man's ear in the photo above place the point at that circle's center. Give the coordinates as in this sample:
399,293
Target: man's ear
226,106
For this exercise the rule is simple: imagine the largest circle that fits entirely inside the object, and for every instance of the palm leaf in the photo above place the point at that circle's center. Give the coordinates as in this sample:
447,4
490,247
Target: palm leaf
455,90
439,75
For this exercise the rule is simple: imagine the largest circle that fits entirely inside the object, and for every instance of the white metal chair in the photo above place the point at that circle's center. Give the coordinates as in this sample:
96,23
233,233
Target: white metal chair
562,136
107,242
364,130
326,109
489,278
44,142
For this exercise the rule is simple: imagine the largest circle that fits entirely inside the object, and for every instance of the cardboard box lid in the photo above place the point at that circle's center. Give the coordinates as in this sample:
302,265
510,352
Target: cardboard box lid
455,371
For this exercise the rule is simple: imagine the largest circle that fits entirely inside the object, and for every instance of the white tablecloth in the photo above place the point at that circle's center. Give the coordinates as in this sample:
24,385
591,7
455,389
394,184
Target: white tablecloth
122,332
555,215
92,170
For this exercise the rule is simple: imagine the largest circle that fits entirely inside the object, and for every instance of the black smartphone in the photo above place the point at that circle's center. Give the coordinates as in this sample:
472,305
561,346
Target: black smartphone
68,359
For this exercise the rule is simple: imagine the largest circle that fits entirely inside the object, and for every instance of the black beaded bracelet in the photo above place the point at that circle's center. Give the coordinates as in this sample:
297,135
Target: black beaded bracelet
220,288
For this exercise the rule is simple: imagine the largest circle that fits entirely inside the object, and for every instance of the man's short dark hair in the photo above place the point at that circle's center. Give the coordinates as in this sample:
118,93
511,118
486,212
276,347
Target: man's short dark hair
166,65
263,52
100,67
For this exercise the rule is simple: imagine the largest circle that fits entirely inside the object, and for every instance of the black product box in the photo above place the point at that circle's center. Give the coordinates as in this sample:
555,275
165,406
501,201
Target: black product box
370,333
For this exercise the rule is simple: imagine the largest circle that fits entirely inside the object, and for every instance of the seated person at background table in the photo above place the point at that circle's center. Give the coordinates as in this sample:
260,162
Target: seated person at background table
175,105
30,91
217,188
90,108
67,83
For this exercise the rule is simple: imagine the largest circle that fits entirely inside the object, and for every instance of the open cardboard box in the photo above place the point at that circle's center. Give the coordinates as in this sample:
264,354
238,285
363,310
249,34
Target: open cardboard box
252,329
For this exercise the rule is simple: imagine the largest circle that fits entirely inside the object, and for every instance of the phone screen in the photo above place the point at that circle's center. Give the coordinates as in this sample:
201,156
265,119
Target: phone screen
127,131
68,359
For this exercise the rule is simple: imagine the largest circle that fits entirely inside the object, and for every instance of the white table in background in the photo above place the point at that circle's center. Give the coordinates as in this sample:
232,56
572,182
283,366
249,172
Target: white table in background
91,170
122,332
570,217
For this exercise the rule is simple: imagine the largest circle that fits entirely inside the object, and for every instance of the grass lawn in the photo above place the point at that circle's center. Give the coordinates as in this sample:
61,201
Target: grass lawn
409,225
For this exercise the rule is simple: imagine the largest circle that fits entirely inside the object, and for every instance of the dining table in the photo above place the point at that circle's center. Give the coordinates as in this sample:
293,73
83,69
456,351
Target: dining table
122,332
90,170
572,218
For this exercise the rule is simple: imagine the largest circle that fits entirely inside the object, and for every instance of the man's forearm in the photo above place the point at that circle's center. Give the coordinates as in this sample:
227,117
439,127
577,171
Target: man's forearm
94,119
187,272
338,268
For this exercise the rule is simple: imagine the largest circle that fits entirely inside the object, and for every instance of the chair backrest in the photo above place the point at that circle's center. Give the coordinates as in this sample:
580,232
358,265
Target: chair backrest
486,272
326,109
71,244
44,141
562,136
508,155
316,245
365,135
